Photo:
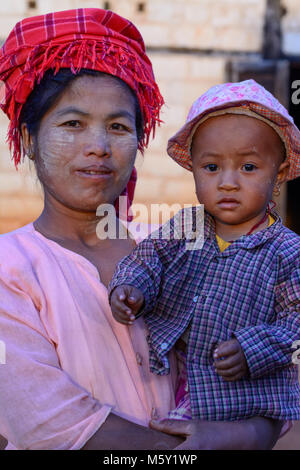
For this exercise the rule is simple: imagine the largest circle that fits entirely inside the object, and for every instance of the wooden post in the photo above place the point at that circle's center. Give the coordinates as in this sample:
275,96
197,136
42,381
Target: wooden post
272,30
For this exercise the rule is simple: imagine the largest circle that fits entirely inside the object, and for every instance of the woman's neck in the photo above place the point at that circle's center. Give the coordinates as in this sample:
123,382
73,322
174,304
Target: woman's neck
59,222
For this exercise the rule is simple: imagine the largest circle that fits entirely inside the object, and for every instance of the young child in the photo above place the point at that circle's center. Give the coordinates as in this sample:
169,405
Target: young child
232,307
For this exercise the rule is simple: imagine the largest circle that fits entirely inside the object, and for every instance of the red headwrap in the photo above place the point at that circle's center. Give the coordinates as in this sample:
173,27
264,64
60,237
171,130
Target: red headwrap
84,38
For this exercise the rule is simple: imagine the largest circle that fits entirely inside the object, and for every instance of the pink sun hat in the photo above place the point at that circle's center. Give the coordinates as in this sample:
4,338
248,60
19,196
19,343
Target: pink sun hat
249,98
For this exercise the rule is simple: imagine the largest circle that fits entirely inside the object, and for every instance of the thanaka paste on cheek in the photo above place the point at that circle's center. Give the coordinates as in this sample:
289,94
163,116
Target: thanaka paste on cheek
55,149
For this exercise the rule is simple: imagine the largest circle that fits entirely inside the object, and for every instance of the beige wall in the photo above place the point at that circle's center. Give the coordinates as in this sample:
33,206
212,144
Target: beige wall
219,25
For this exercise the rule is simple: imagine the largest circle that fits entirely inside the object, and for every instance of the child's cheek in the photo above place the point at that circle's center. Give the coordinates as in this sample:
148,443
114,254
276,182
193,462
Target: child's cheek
263,189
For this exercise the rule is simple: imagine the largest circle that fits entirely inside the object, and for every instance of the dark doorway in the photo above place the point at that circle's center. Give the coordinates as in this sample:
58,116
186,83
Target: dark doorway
293,187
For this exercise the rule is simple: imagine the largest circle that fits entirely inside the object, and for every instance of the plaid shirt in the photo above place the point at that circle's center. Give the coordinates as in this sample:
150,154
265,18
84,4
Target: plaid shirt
249,291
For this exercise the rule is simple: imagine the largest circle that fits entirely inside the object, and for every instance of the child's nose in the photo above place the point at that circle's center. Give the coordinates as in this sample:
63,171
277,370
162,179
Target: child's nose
228,180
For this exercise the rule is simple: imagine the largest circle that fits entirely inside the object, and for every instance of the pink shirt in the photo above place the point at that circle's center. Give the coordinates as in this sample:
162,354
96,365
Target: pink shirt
68,363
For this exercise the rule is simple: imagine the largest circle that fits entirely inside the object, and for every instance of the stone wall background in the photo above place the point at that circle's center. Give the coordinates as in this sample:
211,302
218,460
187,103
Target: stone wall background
189,42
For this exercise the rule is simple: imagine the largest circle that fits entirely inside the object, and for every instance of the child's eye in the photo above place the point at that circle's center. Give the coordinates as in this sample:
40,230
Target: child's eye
72,123
211,167
249,167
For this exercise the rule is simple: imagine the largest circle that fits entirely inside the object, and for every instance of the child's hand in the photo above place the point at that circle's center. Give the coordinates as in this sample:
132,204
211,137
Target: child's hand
125,302
230,361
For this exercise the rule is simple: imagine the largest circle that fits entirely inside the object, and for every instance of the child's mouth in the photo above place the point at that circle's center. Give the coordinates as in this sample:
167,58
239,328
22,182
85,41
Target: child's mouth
228,203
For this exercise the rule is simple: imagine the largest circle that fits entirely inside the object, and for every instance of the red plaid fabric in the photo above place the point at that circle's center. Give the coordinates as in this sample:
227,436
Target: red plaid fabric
84,38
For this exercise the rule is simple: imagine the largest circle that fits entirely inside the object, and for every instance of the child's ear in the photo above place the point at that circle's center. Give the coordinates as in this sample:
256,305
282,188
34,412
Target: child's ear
282,173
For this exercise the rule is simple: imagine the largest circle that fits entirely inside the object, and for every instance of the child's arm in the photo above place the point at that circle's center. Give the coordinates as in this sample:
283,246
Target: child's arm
125,302
267,347
142,270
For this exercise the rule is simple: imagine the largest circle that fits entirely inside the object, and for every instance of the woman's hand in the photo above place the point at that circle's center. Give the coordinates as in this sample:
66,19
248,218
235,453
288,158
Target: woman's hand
119,434
125,302
252,434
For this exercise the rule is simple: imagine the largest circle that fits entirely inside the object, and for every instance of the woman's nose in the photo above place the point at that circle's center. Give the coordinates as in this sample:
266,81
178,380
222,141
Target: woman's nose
98,143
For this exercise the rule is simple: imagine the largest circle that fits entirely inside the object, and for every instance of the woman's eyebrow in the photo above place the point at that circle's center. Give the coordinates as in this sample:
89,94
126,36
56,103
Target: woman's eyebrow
122,113
115,115
71,109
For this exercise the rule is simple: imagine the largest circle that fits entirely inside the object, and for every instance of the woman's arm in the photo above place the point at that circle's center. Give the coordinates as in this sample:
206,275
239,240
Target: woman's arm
251,434
119,434
41,406
3,442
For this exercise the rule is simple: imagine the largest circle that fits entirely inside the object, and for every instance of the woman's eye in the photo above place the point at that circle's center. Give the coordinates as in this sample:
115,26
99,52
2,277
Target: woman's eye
116,126
211,167
249,167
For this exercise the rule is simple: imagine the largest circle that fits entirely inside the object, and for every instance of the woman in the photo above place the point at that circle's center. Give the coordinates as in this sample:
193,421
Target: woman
81,99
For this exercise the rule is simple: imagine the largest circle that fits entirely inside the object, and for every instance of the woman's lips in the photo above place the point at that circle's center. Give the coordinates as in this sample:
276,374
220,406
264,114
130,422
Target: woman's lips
96,175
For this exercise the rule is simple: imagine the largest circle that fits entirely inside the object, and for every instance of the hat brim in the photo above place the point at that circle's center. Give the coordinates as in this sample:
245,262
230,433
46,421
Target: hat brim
178,147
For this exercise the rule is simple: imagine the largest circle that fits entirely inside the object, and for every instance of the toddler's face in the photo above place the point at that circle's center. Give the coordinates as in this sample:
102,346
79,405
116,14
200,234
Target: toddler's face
236,162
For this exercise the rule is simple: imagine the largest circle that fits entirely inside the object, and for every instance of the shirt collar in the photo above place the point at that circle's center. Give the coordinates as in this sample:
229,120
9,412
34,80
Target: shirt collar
245,241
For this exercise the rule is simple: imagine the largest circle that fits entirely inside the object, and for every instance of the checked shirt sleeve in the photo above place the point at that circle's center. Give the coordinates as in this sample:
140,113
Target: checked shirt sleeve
268,347
141,269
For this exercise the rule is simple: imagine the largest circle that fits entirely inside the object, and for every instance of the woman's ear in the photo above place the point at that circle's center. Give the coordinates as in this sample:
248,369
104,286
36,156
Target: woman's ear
27,141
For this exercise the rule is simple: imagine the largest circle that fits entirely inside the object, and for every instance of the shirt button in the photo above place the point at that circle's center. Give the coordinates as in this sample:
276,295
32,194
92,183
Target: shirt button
139,359
163,346
195,298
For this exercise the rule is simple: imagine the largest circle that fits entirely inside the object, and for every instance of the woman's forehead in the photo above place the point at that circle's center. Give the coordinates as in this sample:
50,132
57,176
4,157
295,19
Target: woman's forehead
93,92
88,83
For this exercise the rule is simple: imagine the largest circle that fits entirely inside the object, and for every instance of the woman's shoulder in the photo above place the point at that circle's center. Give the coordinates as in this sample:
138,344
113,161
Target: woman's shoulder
17,247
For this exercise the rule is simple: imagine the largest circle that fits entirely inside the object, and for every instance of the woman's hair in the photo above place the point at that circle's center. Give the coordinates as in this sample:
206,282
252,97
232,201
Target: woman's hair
50,89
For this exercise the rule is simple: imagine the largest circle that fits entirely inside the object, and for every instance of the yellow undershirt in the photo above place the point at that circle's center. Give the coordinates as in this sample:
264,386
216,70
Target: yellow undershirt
223,244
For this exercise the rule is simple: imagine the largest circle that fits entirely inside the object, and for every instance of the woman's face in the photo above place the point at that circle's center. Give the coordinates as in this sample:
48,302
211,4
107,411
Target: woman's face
87,142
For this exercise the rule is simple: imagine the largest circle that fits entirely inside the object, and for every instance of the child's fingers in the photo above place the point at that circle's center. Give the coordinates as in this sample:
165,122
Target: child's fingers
232,374
135,295
230,371
123,320
228,363
120,293
119,307
123,314
227,348
135,298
